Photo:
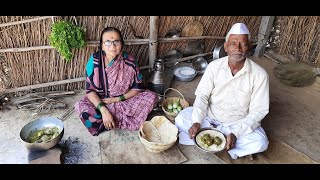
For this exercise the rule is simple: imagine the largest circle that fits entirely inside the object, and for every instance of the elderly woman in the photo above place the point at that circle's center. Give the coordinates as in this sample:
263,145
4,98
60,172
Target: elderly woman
115,96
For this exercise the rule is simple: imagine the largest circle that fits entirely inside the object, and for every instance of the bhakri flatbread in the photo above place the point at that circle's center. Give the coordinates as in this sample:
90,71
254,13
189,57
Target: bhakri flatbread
151,132
168,132
159,130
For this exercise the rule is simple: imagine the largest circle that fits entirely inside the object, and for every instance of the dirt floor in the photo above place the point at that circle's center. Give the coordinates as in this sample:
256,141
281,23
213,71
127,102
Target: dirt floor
294,113
293,118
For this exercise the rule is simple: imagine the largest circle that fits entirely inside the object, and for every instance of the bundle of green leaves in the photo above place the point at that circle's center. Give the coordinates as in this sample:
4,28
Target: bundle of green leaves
65,36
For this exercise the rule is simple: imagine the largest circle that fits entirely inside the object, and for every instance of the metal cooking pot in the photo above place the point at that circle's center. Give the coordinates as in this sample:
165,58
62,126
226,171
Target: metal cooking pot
173,33
218,51
170,57
41,123
38,124
199,64
194,48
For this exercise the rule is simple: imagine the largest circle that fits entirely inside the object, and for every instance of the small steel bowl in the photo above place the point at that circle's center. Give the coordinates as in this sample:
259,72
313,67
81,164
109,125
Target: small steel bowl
38,124
199,64
185,73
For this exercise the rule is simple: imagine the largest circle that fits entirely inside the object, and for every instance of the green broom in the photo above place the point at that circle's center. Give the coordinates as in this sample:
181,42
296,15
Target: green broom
296,74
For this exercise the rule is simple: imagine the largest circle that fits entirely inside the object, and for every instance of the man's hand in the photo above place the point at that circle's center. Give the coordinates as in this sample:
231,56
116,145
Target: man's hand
193,130
231,141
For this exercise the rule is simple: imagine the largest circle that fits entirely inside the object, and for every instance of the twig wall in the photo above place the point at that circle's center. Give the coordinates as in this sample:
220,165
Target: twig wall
35,66
298,36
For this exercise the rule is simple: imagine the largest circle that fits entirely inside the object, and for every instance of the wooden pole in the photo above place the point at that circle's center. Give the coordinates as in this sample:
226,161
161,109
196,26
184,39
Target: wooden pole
153,39
25,49
189,38
263,35
25,21
35,86
127,42
179,60
89,44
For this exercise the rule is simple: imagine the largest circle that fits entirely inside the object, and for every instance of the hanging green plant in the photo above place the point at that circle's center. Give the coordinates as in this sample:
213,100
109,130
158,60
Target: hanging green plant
65,36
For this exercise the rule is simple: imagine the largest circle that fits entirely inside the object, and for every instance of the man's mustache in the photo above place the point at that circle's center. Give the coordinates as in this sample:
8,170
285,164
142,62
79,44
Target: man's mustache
238,53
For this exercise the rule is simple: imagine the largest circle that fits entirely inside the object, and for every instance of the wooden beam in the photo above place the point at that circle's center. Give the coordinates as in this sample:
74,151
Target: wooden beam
189,38
263,35
89,44
153,39
36,86
126,42
26,21
179,60
25,49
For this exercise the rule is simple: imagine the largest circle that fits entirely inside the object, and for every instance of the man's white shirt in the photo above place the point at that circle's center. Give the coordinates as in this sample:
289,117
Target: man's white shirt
241,100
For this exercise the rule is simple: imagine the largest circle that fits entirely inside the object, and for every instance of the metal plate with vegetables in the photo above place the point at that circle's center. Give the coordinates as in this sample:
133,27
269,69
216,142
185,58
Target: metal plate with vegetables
210,140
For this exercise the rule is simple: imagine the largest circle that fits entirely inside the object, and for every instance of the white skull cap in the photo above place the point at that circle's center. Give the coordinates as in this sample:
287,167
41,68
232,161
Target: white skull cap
238,28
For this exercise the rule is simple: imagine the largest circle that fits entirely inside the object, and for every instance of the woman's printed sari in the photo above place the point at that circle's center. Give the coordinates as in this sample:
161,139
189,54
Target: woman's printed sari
121,75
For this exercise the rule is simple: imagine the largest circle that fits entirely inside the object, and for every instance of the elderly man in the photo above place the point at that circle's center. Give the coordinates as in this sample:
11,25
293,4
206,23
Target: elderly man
233,97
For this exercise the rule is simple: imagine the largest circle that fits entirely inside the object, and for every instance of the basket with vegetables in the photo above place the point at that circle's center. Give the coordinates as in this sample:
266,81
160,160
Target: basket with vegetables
173,105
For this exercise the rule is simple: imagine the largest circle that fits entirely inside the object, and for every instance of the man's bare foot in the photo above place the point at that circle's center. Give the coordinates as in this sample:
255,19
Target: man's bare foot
250,157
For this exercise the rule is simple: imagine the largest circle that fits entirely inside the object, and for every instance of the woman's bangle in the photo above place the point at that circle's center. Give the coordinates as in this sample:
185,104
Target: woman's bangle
100,105
122,98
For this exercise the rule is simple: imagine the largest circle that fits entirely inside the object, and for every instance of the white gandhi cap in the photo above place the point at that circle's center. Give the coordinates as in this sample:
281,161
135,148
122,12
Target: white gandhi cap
238,28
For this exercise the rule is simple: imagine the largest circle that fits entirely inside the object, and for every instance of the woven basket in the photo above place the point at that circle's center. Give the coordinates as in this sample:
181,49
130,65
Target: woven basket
194,28
168,134
166,101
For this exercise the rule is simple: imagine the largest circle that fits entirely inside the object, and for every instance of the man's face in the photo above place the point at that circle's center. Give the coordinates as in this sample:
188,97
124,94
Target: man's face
237,47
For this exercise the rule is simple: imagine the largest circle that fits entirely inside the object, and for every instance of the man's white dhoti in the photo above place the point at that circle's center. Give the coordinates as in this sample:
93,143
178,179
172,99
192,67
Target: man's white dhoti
252,143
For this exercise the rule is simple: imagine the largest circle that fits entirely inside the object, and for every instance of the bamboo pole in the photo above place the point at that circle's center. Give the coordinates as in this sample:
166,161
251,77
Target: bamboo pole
127,42
25,21
36,86
153,39
180,60
26,49
189,38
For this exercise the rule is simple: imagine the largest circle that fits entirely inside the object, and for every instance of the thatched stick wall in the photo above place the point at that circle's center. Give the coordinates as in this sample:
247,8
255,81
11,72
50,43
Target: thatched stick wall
46,65
298,36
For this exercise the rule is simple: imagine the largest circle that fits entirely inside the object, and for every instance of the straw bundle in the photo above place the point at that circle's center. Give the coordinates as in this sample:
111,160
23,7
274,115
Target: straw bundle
296,74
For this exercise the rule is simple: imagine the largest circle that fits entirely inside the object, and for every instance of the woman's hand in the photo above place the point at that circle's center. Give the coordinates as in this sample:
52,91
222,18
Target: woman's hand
107,118
110,100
